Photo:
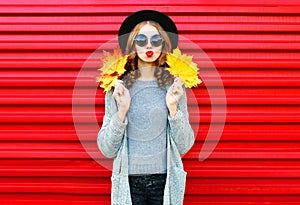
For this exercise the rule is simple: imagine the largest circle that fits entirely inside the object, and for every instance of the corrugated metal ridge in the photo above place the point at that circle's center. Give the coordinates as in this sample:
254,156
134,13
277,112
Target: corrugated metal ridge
104,10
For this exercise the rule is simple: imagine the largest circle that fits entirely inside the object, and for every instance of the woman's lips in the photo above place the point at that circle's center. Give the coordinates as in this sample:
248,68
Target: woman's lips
149,53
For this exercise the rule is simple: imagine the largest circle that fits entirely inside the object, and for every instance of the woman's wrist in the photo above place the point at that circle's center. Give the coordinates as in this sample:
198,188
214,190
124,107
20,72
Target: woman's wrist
122,115
172,110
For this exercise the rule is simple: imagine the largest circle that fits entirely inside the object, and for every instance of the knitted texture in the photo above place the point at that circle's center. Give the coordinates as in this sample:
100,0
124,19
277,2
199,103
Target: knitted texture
146,129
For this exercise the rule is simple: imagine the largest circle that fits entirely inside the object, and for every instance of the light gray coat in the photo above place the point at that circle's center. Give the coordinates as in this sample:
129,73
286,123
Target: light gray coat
112,141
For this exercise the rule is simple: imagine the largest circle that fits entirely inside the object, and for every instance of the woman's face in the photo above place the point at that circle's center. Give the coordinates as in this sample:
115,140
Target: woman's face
148,44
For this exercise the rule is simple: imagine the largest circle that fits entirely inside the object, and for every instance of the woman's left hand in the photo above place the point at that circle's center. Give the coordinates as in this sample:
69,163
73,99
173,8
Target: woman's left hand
174,94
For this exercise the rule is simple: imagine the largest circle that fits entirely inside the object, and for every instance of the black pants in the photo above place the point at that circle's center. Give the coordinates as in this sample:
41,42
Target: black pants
147,189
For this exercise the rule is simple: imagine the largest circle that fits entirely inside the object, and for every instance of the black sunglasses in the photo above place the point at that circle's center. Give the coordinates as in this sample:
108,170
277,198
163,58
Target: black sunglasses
142,40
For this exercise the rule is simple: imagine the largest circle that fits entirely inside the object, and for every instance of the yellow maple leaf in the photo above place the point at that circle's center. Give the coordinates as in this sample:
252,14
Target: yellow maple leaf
112,68
183,67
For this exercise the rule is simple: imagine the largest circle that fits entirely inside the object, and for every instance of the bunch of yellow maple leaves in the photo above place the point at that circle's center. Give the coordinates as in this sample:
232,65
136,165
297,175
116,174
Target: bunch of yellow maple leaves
180,65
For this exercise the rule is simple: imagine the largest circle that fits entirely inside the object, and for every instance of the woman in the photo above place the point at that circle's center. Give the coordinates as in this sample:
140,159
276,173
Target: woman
146,127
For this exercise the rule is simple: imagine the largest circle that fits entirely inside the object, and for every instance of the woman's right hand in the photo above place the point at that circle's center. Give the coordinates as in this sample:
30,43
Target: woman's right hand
122,97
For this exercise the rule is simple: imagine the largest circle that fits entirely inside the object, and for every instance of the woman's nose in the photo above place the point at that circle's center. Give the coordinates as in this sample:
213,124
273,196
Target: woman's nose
149,45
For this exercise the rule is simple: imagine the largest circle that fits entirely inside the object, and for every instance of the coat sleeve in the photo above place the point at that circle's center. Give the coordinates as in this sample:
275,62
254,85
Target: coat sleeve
181,130
112,131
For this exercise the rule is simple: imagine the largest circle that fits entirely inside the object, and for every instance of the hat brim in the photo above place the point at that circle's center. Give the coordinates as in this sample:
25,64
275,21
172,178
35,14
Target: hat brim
147,15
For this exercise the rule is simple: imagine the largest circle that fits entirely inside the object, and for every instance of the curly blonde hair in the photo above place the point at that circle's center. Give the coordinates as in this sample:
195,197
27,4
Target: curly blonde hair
132,72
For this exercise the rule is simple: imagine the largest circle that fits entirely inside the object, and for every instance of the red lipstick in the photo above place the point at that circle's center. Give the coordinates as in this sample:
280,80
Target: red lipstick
149,53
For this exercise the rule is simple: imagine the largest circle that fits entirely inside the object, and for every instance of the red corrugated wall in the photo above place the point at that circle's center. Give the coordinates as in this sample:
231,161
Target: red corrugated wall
253,44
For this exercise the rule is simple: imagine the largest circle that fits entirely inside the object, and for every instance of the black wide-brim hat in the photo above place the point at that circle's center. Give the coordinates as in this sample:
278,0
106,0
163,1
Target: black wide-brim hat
147,15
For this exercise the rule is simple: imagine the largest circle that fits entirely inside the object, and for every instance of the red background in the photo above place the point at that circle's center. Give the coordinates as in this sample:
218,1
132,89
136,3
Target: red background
254,46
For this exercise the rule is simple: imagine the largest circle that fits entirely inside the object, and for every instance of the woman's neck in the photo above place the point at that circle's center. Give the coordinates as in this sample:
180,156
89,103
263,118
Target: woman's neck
146,71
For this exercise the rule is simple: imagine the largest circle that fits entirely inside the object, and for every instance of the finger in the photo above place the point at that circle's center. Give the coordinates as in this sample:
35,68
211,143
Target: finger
118,83
177,85
171,89
176,89
122,89
178,80
117,93
173,95
117,89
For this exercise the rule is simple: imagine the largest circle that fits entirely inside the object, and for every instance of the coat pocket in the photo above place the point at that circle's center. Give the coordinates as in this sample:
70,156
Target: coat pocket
120,193
177,185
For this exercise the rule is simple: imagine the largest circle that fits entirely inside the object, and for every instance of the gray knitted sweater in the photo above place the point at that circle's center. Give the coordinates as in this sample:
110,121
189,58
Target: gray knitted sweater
113,142
146,129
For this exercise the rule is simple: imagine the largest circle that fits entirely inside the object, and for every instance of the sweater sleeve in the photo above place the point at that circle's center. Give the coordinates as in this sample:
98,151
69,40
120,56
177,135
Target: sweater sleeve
181,130
112,131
